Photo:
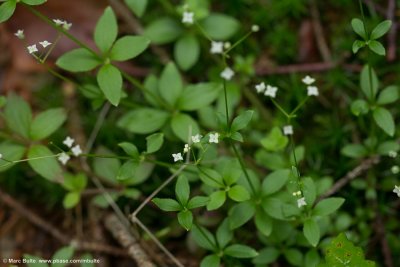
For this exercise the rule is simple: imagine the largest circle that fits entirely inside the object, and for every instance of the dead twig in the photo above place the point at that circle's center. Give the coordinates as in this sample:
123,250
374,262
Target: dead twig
381,234
305,68
390,15
319,33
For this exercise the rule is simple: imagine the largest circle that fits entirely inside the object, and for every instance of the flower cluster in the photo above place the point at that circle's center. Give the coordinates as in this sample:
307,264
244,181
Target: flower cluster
76,150
300,200
311,90
63,23
212,138
33,48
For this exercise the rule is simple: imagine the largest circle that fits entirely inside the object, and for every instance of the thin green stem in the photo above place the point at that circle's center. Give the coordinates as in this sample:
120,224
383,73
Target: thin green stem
237,43
280,108
293,113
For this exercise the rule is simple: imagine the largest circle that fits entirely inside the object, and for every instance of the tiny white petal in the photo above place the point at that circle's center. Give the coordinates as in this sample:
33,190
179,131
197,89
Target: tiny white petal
308,80
177,157
217,47
196,138
271,91
20,34
67,25
255,28
188,17
288,130
301,202
76,150
312,90
227,73
68,141
186,148
395,169
32,49
1,156
63,158
396,190
260,87
214,138
45,43
58,22
392,154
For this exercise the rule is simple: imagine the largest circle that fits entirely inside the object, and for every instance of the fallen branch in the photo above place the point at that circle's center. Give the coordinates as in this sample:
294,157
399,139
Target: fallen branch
306,68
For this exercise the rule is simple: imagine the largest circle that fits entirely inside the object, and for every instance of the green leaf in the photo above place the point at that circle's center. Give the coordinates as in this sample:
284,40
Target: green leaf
309,191
185,219
78,60
43,163
109,79
211,177
273,207
384,120
151,93
76,182
263,222
11,152
106,168
240,251
381,29
87,260
275,181
377,47
217,199
167,204
196,96
240,214
357,45
143,120
266,256
197,202
154,142
137,6
220,26
170,84
311,232
46,123
238,193
183,125
203,238
210,261
388,95
187,51
312,258
224,234
386,147
127,170
294,257
182,190
18,115
354,151
63,254
359,107
359,28
328,206
7,10
71,200
163,30
106,30
241,121
128,47
130,149
34,2
369,91
275,140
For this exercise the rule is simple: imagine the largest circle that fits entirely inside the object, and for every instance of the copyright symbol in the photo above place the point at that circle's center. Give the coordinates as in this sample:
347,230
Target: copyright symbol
5,260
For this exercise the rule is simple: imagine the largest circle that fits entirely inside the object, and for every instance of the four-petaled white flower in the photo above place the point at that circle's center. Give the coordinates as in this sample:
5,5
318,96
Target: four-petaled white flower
188,17
63,158
177,157
214,138
301,202
196,138
260,87
62,23
58,22
395,169
255,28
271,91
32,49
67,25
45,43
396,190
288,130
312,90
186,148
76,150
68,141
308,80
20,34
217,47
227,73
392,154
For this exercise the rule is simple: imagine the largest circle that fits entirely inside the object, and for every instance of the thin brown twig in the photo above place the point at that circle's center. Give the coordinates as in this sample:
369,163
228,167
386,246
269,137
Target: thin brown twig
381,234
319,33
305,68
392,46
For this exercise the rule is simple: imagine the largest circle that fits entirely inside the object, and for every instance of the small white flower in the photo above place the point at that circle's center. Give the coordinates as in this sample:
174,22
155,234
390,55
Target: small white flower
1,156
308,80
67,26
395,169
76,150
227,45
196,138
301,202
20,34
227,73
396,190
288,130
32,49
214,138
217,47
312,90
186,148
392,154
45,43
271,91
58,22
177,157
188,17
63,158
68,141
255,28
260,87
